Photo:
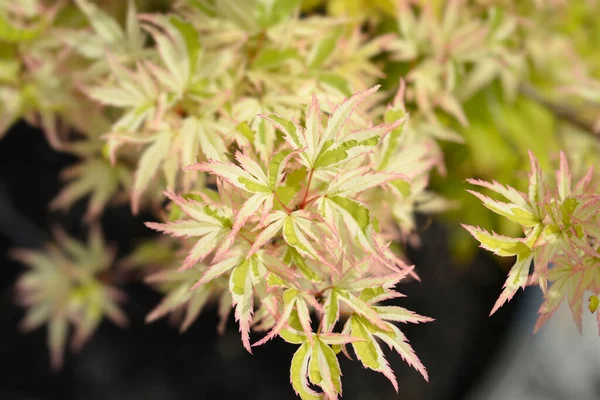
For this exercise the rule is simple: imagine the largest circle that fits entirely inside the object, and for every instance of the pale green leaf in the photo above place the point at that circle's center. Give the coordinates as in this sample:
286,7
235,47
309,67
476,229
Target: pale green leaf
299,373
500,245
104,25
148,165
242,293
517,278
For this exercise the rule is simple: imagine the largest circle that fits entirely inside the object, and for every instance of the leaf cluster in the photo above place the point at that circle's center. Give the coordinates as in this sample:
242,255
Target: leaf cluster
67,285
562,234
298,240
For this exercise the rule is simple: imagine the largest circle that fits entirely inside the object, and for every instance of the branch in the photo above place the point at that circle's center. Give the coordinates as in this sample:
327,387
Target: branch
561,111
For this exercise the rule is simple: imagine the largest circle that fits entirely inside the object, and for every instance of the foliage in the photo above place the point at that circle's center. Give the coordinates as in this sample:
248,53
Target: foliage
562,233
67,284
293,180
299,237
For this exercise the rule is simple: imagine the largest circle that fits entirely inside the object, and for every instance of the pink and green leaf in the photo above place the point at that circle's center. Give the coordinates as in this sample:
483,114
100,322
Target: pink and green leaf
517,278
500,245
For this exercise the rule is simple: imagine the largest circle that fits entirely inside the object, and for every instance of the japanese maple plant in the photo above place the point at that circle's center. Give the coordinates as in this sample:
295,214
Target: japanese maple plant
285,152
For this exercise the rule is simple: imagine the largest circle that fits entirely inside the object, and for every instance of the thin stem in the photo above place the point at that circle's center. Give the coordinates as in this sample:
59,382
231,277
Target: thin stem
310,176
320,292
311,200
286,208
245,238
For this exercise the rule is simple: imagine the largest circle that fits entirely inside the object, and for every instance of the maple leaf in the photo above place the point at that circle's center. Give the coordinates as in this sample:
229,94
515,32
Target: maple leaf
569,280
157,107
64,286
251,178
181,295
295,240
316,362
329,146
208,222
95,178
293,302
560,239
107,33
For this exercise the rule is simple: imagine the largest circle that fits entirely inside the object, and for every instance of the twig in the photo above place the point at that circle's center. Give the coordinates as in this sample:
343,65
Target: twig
561,111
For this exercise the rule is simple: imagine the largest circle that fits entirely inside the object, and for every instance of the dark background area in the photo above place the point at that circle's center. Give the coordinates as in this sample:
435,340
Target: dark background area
156,362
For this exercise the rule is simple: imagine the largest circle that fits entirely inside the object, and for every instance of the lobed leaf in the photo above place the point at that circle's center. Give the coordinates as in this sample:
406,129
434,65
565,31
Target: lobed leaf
517,278
299,373
153,157
500,245
524,216
242,294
